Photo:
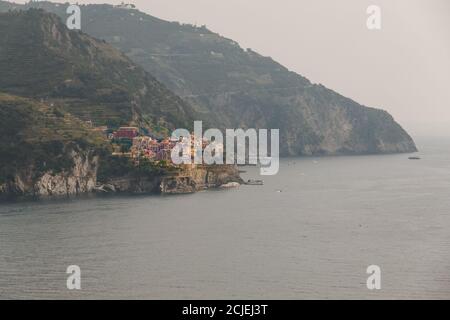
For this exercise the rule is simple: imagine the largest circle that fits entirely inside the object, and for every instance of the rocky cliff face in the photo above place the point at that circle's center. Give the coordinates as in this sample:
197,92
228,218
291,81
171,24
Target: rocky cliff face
82,178
195,178
230,87
188,179
41,58
225,85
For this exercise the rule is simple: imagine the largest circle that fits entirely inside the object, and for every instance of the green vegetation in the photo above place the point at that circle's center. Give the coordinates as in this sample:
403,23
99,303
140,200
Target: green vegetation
111,167
38,138
40,58
228,87
54,81
234,88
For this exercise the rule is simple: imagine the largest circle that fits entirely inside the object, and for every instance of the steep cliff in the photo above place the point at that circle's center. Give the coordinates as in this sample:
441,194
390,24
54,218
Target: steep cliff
199,177
186,179
51,80
230,87
79,179
45,151
41,58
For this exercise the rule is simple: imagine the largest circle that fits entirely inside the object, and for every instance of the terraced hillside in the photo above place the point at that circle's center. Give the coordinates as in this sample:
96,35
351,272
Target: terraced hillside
41,59
231,87
37,138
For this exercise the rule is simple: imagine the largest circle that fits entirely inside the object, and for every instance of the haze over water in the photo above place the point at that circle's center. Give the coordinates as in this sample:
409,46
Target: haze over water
310,232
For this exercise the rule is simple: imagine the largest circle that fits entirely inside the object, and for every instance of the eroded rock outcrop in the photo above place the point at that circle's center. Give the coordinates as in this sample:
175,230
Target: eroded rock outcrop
81,178
200,177
183,180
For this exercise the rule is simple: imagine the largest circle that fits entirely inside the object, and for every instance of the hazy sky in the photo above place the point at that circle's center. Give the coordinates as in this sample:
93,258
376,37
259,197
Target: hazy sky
403,68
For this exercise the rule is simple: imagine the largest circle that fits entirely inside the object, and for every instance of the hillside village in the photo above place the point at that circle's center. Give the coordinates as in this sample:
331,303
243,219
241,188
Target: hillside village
130,142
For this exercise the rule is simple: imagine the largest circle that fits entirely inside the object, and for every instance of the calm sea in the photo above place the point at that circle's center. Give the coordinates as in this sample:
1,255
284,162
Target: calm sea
310,232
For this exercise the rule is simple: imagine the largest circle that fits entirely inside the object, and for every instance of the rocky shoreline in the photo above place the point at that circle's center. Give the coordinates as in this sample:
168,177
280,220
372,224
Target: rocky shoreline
82,180
189,179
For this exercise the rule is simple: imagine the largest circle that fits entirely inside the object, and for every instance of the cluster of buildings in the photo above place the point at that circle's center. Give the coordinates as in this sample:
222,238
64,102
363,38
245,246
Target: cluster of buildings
125,133
142,146
123,5
152,149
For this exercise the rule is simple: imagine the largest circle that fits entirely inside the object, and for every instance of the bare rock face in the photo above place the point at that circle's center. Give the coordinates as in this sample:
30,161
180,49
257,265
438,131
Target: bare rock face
130,184
17,186
82,178
184,180
200,177
178,185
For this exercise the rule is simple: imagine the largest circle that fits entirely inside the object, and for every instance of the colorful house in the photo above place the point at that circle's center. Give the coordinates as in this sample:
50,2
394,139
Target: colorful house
126,133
